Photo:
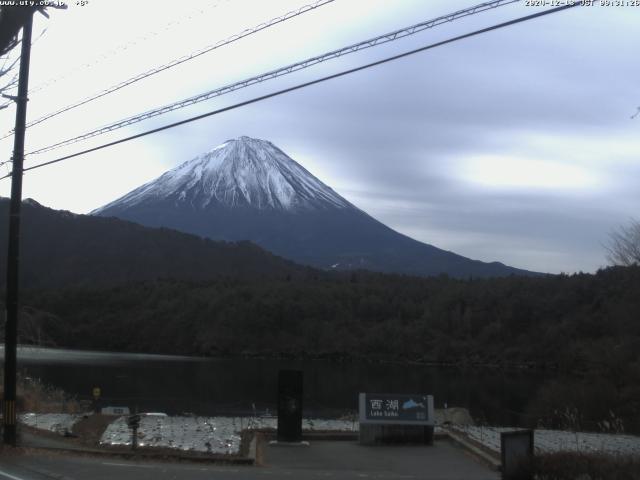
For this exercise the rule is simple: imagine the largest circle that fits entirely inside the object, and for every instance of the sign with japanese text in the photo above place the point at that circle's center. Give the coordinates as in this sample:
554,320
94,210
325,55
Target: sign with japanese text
400,409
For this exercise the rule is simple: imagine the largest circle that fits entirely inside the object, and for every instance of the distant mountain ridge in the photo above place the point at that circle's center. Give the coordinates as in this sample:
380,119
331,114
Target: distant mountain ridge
60,248
249,189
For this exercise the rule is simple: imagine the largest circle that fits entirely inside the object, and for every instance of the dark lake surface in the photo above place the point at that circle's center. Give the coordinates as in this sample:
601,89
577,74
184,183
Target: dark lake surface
236,386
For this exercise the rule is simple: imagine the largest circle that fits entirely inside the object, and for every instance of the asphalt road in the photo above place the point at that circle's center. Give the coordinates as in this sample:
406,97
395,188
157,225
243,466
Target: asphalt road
326,460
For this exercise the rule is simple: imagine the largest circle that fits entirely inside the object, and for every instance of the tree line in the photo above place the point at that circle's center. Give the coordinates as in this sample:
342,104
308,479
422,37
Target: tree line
564,322
585,326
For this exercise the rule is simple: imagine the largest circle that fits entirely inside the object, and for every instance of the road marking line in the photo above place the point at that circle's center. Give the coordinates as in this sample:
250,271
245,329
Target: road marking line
8,475
127,465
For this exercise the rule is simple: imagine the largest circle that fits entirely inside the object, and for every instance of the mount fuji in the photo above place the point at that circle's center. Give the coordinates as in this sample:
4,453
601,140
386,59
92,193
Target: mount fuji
249,189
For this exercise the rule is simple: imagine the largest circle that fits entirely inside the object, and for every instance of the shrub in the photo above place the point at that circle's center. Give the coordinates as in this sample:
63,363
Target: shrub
36,396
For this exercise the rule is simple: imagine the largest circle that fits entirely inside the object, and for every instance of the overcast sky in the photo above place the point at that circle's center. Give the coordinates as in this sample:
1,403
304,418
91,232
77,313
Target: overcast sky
516,145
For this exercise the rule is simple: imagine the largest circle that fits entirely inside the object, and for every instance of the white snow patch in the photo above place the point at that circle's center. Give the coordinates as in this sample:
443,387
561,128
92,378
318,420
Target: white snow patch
245,169
548,441
222,145
204,434
53,422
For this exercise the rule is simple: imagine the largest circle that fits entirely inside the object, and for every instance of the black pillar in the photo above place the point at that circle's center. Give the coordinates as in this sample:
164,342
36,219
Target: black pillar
290,406
13,255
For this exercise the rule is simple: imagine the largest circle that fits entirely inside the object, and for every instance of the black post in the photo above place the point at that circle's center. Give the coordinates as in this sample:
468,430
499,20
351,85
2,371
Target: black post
134,437
290,406
13,255
133,421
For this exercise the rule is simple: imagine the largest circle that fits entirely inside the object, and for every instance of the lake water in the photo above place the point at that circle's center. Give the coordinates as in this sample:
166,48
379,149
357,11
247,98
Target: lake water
234,386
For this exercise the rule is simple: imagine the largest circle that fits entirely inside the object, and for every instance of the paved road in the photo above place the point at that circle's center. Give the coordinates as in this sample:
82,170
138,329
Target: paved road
443,461
322,460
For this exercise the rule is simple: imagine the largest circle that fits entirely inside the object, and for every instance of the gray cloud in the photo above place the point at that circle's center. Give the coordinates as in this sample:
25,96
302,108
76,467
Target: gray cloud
394,139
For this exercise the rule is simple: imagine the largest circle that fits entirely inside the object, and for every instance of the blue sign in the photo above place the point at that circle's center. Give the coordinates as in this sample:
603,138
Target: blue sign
396,408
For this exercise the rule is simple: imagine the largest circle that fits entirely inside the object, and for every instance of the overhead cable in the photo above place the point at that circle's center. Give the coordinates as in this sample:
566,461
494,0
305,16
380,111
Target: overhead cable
179,61
119,49
303,85
387,37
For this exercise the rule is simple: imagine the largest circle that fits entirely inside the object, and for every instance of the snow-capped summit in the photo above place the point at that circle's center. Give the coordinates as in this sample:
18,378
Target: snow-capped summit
243,172
249,189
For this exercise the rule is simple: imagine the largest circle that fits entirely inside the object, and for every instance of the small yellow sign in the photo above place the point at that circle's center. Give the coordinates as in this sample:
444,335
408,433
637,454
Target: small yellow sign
96,392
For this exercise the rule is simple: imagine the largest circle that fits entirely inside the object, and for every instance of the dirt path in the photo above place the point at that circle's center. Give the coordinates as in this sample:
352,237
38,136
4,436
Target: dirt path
89,430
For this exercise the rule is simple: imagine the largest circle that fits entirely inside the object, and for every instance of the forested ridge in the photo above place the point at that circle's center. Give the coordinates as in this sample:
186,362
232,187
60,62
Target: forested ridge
569,322
60,248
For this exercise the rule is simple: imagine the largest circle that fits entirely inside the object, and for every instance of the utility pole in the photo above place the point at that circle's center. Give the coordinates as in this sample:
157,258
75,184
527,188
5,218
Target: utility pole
13,255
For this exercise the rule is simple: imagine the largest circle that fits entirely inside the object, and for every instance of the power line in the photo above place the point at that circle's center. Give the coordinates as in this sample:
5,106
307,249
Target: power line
178,61
96,61
5,164
304,85
118,50
385,38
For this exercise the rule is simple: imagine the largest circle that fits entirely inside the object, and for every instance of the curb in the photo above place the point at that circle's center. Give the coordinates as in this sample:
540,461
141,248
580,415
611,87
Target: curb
145,455
482,454
249,460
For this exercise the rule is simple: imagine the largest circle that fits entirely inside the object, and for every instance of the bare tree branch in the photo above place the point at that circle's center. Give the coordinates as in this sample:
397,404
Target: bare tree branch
10,19
13,62
12,82
624,245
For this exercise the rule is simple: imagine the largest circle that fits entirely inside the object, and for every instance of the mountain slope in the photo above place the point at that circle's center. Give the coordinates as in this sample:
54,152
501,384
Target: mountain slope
239,173
61,248
248,189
